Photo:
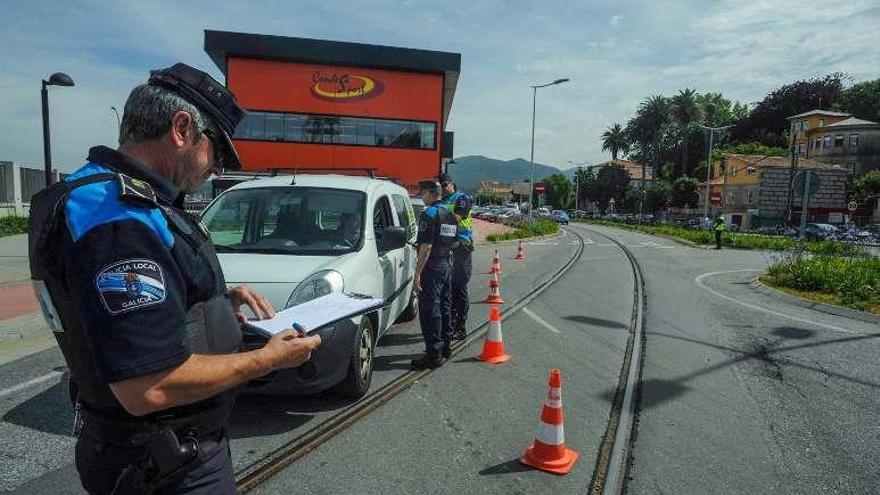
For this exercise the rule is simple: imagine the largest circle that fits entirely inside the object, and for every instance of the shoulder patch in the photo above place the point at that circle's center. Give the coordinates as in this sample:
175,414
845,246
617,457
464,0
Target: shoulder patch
136,191
131,284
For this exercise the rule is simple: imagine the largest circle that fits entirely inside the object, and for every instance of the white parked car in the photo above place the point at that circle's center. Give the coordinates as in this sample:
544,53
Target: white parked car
298,238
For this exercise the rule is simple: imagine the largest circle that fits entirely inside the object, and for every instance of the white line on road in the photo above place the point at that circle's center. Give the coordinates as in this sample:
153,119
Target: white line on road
699,282
30,383
540,320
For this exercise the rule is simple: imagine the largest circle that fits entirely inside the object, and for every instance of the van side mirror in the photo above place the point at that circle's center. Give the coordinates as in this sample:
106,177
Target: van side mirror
392,238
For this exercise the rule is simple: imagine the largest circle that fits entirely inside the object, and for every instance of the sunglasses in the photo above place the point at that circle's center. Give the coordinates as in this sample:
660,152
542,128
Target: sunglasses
215,144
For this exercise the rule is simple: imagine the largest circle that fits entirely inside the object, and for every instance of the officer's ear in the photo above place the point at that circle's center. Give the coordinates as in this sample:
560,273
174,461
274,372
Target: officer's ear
182,129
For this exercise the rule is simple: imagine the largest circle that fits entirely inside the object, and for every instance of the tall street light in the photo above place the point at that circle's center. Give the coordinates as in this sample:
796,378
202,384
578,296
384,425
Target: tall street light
532,160
709,161
577,173
56,79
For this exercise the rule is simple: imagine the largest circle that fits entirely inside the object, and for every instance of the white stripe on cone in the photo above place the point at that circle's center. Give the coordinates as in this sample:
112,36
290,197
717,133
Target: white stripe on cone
554,398
494,331
551,434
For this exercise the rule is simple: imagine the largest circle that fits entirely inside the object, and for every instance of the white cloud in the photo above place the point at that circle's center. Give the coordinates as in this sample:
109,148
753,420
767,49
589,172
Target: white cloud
615,21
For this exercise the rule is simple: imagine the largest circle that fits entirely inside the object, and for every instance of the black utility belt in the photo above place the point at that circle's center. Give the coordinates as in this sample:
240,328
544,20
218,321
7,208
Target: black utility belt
208,425
440,259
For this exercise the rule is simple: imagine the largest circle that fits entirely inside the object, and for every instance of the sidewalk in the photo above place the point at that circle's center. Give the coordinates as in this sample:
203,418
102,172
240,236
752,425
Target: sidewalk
22,329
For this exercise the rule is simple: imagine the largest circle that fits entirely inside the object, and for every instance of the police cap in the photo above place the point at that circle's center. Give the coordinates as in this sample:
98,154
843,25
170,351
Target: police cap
429,185
209,96
445,178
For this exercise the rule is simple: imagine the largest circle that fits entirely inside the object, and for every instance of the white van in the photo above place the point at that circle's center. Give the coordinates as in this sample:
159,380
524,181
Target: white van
295,238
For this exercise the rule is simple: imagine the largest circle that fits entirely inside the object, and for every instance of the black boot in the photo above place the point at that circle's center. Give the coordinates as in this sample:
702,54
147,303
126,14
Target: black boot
446,352
429,360
460,333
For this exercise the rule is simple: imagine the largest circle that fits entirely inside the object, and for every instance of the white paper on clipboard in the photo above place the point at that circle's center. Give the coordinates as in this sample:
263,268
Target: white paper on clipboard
317,313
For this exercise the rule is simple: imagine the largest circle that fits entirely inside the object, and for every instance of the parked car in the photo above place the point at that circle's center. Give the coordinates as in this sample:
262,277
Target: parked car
560,216
820,231
298,240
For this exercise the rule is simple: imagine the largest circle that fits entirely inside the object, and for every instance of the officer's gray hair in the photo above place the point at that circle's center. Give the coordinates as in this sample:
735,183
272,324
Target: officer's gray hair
148,113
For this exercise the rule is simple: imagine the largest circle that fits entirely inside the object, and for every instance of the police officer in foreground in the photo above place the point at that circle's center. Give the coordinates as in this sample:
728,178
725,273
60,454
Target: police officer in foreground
460,204
133,290
433,279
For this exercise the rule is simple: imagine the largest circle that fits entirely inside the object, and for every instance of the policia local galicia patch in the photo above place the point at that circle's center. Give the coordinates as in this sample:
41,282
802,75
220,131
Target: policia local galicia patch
131,284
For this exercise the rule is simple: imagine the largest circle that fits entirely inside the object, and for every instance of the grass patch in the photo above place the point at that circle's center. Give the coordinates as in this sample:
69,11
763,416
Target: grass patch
524,230
13,225
850,282
736,240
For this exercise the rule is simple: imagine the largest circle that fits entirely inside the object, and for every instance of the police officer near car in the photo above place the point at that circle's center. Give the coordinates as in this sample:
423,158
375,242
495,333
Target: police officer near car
436,240
719,229
460,205
131,286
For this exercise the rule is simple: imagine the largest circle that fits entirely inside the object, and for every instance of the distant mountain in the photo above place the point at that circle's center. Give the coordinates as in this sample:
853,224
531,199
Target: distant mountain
469,171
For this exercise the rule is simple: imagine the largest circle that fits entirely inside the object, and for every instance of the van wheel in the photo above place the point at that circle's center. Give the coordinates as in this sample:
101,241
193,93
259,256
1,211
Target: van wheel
411,311
360,367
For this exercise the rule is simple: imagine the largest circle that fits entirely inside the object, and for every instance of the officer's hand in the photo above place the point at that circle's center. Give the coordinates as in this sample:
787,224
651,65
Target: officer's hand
258,303
417,284
289,349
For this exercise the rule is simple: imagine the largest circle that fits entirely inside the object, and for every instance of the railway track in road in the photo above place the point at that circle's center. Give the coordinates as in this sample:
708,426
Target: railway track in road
267,466
612,463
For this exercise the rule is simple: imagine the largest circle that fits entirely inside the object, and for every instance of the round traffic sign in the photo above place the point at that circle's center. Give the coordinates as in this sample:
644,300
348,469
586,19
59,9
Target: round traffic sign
804,176
852,206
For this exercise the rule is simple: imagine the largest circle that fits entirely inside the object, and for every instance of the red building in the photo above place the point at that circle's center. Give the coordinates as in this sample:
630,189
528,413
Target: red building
316,105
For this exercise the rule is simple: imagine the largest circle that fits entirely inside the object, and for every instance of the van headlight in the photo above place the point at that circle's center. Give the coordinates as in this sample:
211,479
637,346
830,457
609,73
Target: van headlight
316,285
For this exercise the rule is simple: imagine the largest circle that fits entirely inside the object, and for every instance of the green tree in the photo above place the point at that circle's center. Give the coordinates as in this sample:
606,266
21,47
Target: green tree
584,177
865,188
614,140
684,192
609,182
558,191
685,110
648,127
657,196
862,100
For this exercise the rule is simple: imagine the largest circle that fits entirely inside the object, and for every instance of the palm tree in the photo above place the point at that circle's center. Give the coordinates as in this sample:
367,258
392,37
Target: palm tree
686,110
654,116
614,140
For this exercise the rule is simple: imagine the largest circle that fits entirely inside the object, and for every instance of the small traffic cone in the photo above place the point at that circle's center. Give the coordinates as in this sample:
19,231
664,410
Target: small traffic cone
496,264
548,452
493,346
494,296
520,254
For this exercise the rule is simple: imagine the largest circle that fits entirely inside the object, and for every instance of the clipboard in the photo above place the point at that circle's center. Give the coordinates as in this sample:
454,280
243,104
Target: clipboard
317,313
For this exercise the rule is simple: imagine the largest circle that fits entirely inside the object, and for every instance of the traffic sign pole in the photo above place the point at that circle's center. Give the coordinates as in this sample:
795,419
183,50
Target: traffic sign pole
805,201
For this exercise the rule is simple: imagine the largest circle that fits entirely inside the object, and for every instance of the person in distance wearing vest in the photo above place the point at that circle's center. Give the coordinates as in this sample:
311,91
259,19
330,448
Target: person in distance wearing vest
132,288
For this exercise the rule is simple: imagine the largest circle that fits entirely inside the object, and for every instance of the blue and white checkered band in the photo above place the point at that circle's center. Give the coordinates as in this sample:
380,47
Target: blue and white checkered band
131,284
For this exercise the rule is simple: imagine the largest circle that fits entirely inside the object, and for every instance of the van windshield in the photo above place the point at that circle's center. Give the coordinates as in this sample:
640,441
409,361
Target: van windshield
287,220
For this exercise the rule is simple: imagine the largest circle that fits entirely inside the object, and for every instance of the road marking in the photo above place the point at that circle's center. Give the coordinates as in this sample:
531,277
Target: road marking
699,281
540,320
30,383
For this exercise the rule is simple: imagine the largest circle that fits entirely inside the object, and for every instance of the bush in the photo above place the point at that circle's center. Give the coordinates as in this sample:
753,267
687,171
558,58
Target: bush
855,282
13,225
526,229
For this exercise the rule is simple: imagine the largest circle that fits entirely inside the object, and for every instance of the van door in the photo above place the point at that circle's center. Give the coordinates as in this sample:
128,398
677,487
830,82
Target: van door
388,262
405,218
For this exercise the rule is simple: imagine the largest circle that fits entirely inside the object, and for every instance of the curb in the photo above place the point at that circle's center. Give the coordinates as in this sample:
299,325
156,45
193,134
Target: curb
830,309
683,242
524,239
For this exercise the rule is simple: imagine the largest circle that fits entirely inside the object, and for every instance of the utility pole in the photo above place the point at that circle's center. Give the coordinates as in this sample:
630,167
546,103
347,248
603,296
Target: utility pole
709,162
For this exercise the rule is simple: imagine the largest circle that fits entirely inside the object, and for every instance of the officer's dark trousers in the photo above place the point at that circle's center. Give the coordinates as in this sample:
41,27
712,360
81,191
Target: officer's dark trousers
100,463
717,239
461,275
435,305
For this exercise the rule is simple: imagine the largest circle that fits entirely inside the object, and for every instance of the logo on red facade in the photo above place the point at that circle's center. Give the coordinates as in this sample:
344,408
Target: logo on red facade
345,87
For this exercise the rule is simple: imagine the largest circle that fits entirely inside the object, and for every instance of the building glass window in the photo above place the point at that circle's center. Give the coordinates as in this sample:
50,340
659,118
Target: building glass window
853,140
818,143
851,167
838,141
802,148
821,122
750,196
827,141
330,129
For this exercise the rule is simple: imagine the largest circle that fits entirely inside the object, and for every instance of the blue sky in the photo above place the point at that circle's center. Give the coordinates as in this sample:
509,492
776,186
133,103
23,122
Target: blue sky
615,52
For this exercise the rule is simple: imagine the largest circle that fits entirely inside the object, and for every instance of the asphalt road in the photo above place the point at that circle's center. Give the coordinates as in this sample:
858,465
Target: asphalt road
746,393
35,410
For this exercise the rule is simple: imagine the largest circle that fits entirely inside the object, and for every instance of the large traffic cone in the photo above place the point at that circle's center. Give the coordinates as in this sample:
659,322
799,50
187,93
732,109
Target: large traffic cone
494,296
520,254
493,346
548,452
496,265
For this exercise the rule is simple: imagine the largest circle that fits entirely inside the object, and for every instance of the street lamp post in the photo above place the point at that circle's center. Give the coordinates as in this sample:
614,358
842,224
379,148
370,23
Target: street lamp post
56,79
577,179
532,159
709,161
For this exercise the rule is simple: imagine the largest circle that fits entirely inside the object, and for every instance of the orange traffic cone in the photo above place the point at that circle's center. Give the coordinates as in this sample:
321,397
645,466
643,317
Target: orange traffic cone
493,346
520,254
494,296
548,452
496,264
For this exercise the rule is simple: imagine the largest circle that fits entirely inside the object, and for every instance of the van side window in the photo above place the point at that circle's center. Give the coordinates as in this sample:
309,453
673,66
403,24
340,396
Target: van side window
381,218
405,216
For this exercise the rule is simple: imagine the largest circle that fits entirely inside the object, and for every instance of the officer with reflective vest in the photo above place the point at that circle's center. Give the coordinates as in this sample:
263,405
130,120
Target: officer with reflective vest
719,229
131,286
460,204
433,280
